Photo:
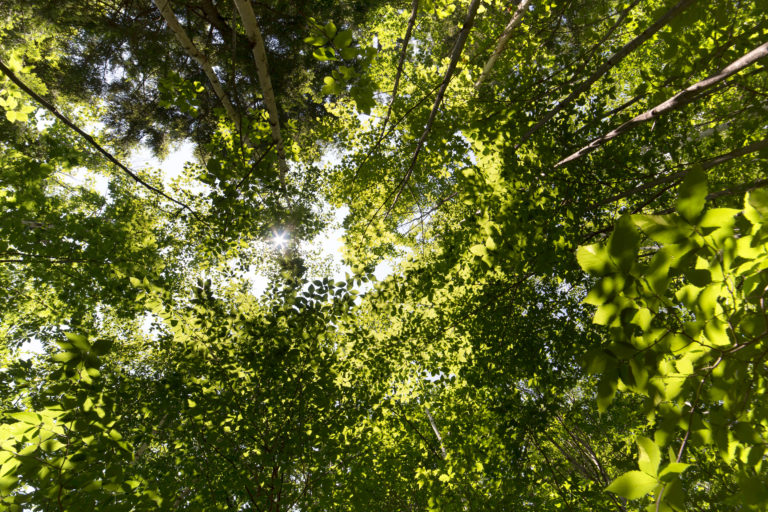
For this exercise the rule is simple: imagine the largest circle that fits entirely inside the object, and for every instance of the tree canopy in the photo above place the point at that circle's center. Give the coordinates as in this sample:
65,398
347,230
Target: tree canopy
571,195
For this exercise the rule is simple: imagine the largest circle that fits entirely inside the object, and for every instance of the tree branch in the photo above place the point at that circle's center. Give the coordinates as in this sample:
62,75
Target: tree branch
192,50
613,61
458,47
401,62
678,100
90,140
708,164
437,432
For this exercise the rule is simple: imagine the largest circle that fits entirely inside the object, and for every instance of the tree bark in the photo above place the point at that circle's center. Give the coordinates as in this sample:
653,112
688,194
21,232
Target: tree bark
437,432
401,62
458,47
192,50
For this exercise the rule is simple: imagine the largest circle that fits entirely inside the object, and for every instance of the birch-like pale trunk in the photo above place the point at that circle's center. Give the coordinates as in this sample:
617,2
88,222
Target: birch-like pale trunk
253,33
678,100
437,433
501,45
199,57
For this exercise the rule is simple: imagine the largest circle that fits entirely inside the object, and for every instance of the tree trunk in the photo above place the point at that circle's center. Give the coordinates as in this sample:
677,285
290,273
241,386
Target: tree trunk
517,18
613,61
260,58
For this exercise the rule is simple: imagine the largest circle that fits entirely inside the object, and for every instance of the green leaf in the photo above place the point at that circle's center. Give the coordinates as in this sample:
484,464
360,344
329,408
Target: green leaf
692,195
754,490
664,229
698,277
606,390
633,485
78,340
52,445
349,53
324,53
593,259
331,87
28,417
623,243
718,218
649,455
102,346
672,469
65,357
330,30
8,483
363,96
316,40
343,39
756,206
479,250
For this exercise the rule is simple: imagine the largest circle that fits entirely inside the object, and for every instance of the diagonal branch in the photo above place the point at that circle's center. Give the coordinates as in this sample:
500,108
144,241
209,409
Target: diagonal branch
189,47
678,100
90,140
708,164
613,61
458,47
437,432
253,33
501,45
403,53
591,53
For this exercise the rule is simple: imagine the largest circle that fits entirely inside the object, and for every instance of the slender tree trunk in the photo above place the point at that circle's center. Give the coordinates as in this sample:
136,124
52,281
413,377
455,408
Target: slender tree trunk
192,50
458,47
678,100
253,33
517,18
213,16
401,62
437,432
